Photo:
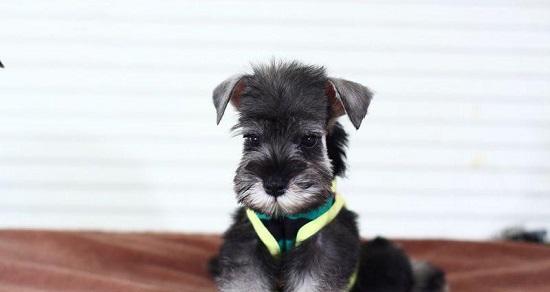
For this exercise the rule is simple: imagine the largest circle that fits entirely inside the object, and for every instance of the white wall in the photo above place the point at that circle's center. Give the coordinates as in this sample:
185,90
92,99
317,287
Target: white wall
106,119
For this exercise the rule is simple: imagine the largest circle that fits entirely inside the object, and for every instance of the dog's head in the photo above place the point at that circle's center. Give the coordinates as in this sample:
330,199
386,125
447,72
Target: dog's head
293,146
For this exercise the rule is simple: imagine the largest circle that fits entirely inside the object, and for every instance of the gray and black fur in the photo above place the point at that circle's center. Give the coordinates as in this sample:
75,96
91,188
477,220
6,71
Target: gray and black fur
293,149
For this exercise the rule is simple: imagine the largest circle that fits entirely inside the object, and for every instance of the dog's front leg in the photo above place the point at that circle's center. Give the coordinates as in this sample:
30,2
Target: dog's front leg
321,264
244,278
243,263
313,281
241,269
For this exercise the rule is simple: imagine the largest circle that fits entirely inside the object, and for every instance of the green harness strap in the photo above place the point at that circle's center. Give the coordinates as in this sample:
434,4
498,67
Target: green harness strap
322,216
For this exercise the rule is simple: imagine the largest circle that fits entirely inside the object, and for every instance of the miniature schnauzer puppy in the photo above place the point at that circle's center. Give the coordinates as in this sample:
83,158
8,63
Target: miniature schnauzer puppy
294,232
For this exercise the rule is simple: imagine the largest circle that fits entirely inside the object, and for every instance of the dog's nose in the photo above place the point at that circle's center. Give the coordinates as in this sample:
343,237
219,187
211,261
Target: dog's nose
275,187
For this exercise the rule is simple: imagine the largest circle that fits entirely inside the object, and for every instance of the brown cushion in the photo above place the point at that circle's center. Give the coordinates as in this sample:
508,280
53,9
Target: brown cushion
101,261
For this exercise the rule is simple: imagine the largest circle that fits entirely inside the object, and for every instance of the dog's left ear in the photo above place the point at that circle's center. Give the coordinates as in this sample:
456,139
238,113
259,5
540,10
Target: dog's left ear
229,90
348,97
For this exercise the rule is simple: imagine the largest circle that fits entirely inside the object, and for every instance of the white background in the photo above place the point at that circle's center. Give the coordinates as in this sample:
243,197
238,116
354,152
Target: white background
106,119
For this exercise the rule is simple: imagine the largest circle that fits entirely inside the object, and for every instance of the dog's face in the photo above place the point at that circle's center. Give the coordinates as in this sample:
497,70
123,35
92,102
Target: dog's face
286,113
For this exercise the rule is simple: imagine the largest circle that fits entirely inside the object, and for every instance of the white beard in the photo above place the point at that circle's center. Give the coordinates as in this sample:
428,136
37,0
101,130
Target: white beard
291,202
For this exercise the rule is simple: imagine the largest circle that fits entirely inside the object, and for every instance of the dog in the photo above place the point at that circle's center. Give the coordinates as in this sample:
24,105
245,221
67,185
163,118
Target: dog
294,232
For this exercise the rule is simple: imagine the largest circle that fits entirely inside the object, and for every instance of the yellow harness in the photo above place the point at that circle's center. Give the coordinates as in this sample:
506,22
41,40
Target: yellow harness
305,232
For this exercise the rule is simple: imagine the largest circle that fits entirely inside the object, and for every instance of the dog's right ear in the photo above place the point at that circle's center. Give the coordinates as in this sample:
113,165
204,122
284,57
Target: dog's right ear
229,90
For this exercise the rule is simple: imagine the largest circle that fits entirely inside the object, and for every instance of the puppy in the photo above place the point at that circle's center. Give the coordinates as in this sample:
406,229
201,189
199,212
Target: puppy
294,232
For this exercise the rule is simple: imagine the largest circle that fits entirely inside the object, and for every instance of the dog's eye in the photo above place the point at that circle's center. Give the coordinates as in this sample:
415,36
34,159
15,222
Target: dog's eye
251,140
309,141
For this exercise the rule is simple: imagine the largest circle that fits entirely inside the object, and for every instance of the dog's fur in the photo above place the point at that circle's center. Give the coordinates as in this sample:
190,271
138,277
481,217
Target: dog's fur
293,150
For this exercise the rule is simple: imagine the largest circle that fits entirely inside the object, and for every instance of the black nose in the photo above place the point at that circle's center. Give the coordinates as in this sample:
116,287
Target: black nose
275,186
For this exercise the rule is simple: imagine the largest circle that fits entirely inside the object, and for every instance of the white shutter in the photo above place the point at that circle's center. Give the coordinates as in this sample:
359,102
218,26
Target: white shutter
106,119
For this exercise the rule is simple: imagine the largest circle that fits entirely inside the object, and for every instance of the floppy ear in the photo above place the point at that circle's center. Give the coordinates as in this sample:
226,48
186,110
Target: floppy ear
347,97
229,90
